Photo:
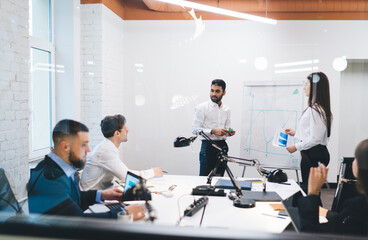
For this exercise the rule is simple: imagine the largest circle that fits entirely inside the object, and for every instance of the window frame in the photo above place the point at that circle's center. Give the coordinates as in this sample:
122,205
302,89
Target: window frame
47,46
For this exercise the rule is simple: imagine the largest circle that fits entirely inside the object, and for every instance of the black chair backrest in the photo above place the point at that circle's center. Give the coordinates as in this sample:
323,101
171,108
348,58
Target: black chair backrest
346,186
347,170
8,202
345,191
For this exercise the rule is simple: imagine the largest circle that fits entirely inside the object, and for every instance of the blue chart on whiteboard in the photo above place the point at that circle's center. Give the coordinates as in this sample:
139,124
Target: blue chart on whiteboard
269,108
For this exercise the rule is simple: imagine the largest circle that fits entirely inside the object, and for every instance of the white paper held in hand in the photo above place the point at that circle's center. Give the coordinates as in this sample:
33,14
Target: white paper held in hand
280,139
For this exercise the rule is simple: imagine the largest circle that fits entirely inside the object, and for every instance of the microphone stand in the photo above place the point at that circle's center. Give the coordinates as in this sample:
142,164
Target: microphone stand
224,157
239,201
141,191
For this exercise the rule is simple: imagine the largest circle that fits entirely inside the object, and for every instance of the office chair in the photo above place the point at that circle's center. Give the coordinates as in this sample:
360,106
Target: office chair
8,202
346,185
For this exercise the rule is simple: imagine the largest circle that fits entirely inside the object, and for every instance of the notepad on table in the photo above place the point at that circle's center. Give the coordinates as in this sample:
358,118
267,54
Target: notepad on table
277,206
227,184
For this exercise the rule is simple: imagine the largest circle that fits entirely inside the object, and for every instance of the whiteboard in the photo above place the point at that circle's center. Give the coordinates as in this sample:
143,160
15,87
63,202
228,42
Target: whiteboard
267,107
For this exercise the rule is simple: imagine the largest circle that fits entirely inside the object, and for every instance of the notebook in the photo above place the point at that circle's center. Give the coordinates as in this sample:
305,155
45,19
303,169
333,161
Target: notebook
227,184
292,210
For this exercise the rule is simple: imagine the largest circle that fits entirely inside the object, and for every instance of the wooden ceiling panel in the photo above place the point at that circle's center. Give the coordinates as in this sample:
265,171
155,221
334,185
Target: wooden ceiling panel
353,5
277,9
117,6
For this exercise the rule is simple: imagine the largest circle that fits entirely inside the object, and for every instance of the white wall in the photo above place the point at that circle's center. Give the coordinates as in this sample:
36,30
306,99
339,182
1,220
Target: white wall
91,68
14,93
101,66
112,56
178,69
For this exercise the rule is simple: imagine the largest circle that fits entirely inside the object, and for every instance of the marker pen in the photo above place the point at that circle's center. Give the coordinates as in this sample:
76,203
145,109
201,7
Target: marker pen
270,215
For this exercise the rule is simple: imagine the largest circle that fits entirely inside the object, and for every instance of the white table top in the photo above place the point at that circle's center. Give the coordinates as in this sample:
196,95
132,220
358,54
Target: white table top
219,212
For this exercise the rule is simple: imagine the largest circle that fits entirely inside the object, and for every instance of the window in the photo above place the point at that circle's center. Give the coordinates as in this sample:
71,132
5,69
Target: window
42,97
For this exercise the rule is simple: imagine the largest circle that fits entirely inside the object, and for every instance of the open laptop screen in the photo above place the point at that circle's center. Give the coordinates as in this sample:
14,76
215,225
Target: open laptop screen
131,194
130,180
291,208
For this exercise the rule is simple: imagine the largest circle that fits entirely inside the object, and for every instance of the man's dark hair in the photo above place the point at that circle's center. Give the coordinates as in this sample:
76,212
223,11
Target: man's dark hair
65,128
220,83
110,124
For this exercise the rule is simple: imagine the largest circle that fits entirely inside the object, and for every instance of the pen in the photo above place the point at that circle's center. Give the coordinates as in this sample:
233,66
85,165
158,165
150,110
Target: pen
270,215
164,171
285,183
117,182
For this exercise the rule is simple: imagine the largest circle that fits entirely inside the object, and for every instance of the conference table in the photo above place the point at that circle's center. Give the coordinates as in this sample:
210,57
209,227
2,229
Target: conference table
219,212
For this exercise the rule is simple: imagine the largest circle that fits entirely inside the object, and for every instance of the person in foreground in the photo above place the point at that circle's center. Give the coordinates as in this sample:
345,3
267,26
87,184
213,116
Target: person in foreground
314,128
53,185
104,163
213,118
353,218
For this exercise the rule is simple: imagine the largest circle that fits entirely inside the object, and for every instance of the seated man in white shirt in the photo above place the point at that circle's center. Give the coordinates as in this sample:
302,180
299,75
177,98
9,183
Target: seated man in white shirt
104,163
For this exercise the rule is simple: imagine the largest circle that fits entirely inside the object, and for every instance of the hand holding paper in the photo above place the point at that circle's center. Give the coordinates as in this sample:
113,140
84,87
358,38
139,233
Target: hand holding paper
280,138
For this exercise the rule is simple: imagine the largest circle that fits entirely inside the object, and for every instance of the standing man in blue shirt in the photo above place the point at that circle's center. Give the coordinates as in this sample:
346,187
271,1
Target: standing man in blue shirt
213,118
53,185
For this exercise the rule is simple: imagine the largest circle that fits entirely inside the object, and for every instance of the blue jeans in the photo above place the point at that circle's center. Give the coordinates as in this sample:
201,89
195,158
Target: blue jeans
208,158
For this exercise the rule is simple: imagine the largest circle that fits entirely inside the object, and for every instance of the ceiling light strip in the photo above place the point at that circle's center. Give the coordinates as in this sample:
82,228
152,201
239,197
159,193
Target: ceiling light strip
306,62
220,11
296,70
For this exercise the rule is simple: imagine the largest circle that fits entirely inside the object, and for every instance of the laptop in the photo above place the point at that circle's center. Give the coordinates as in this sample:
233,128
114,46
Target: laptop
131,180
227,184
292,210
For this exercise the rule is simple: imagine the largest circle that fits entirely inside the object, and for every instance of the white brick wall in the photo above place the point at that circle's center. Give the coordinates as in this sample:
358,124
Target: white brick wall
113,63
101,66
91,68
14,93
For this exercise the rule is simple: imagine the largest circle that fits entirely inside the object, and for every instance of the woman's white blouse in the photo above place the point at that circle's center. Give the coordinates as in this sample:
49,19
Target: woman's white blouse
311,130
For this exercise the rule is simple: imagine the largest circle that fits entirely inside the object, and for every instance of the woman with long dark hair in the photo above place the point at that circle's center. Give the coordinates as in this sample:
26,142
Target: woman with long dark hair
314,128
352,219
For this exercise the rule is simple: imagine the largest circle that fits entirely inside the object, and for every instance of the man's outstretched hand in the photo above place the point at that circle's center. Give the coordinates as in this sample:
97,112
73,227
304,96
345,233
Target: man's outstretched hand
112,194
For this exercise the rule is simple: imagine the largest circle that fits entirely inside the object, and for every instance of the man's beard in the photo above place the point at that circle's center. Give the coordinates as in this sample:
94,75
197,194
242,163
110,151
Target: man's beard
217,100
76,161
